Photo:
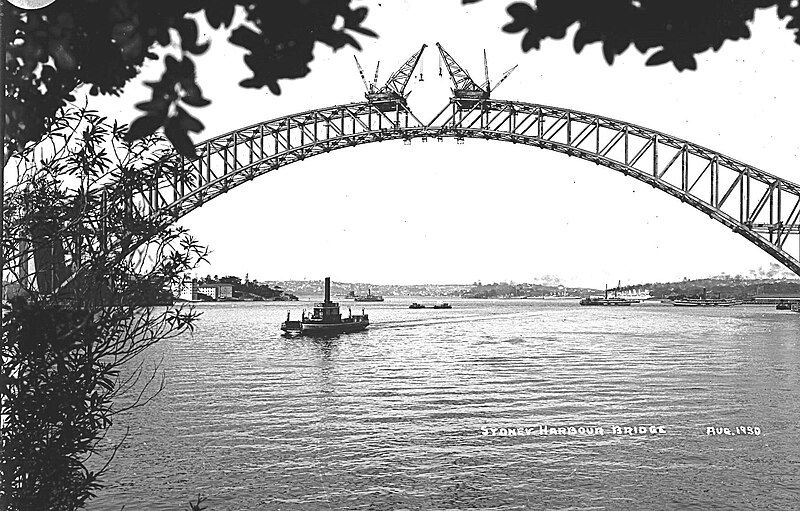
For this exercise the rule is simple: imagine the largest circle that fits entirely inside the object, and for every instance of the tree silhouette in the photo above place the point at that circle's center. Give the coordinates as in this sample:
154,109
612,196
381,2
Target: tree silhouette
73,359
104,43
677,29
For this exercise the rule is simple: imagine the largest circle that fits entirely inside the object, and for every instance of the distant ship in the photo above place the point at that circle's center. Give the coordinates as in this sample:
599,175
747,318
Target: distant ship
444,305
369,297
703,301
326,319
606,301
636,294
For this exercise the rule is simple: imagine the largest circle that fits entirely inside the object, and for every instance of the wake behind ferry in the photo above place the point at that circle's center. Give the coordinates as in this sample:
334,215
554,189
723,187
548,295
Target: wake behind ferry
326,319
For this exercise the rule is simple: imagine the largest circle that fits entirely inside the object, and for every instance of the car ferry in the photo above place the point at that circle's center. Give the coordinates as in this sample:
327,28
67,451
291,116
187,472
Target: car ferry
326,319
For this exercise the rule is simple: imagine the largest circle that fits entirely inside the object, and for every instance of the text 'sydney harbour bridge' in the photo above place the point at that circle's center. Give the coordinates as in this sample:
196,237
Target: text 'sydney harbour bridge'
762,207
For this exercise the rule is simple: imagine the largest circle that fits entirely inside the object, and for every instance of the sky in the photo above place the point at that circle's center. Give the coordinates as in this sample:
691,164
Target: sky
438,212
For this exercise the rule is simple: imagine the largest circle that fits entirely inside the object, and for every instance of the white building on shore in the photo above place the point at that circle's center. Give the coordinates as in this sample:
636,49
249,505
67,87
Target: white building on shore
216,290
187,290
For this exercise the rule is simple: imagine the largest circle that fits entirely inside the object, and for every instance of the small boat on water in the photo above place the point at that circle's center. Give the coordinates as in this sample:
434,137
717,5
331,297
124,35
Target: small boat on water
326,319
416,305
369,297
444,305
784,306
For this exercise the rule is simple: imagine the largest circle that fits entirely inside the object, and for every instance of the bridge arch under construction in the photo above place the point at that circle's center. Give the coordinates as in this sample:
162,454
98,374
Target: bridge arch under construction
762,207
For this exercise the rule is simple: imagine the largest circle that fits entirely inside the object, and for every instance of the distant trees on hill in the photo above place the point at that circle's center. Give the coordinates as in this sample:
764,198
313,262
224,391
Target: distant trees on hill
725,286
249,289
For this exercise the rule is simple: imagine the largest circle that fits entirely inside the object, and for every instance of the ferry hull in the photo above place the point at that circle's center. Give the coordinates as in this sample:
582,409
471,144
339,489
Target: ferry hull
311,329
342,328
600,302
703,303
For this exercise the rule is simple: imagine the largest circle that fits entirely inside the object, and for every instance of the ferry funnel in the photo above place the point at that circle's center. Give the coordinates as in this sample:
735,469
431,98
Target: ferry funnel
327,289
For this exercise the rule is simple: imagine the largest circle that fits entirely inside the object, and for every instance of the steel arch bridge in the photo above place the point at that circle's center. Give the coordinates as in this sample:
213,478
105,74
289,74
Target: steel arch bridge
762,207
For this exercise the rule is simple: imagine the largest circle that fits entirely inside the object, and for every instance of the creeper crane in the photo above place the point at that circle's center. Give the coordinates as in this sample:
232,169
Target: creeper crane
465,90
393,91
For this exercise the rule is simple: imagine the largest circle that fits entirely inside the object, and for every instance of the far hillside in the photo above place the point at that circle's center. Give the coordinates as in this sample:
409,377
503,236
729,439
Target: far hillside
723,286
511,290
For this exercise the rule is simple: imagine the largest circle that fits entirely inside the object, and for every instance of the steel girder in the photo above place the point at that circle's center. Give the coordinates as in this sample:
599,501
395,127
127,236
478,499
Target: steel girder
762,207
229,160
178,185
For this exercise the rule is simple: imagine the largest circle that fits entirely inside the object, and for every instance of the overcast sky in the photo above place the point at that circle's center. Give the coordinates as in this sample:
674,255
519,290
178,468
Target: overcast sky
445,213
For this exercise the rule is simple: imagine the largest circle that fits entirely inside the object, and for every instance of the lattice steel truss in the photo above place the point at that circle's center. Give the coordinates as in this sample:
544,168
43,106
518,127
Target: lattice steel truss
762,207
229,160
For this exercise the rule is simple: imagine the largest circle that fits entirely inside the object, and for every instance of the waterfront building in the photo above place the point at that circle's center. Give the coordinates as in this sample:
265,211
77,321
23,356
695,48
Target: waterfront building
216,290
186,290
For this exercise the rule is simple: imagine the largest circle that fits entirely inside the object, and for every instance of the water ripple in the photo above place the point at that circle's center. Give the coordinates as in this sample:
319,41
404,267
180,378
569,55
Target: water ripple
391,418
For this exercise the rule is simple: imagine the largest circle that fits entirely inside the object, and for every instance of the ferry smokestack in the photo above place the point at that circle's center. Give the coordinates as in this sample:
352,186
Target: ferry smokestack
327,289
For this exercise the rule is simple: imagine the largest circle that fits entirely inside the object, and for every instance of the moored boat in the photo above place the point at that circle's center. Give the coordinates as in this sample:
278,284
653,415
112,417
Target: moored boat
444,305
704,301
593,300
326,319
416,305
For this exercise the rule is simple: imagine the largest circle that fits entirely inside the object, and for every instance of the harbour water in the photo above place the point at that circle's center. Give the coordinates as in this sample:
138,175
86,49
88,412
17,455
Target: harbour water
401,416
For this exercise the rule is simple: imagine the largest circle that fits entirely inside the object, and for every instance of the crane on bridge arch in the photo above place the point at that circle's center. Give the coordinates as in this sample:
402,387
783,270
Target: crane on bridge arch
393,92
762,207
464,87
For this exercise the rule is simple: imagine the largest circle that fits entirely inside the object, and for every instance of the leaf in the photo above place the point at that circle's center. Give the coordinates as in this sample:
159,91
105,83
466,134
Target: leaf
188,121
178,136
246,38
364,31
219,13
187,28
194,97
583,37
523,16
251,83
530,41
658,58
356,17
142,127
608,53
